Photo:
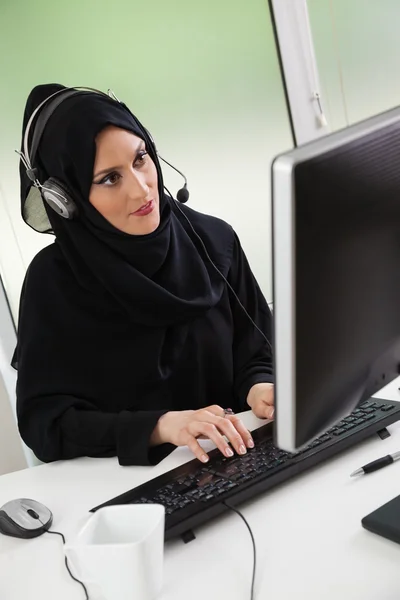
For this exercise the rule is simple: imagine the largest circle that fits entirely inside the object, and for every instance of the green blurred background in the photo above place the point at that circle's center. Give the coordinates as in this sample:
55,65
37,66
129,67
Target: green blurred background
202,77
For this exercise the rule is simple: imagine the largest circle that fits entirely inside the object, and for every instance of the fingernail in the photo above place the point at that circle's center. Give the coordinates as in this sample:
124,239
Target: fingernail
271,413
228,452
204,458
242,449
250,443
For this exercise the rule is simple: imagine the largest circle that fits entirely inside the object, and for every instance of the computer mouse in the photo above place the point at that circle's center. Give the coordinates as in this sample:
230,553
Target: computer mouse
24,518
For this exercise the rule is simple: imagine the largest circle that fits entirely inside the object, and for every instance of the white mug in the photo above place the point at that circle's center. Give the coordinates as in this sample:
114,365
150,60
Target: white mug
118,554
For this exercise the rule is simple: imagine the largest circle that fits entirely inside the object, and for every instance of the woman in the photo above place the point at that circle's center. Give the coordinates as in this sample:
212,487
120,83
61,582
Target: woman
130,342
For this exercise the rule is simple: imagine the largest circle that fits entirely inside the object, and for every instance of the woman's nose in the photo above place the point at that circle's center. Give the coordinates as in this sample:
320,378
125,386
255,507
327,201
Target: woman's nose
138,187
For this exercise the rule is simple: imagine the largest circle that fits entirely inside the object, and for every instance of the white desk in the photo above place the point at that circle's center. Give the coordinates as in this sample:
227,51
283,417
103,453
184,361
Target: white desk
310,543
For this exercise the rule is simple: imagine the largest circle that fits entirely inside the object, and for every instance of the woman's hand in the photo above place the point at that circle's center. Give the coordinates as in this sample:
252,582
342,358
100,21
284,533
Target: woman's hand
182,428
261,400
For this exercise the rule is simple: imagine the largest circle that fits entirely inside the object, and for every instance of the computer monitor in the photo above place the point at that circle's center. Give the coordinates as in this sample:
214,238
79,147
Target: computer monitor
336,274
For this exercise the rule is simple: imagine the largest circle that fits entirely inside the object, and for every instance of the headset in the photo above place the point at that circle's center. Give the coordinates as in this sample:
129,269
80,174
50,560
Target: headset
53,191
57,196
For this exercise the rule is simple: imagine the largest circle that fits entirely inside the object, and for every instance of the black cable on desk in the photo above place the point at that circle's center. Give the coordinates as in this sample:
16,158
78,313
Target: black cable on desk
34,515
254,546
67,565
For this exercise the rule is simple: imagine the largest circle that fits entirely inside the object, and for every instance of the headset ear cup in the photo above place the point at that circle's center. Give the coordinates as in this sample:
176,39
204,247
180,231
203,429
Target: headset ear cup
56,195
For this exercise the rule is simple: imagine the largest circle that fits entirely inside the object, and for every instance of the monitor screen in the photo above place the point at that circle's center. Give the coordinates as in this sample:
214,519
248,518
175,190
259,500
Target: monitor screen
336,272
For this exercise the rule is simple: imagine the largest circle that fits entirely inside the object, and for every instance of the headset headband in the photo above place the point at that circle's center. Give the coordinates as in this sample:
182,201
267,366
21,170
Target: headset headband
44,117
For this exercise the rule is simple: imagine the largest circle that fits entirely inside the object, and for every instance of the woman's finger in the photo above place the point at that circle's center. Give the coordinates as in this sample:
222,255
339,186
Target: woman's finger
197,428
263,410
244,432
195,447
269,411
227,428
216,410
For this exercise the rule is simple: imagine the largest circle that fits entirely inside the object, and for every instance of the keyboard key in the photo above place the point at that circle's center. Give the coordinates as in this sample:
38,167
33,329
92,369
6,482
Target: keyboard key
387,407
227,470
332,429
261,471
316,443
283,455
276,463
209,489
367,404
250,470
230,486
180,487
224,484
339,431
192,494
220,484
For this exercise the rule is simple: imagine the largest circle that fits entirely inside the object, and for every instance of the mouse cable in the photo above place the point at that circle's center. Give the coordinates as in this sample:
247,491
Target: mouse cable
254,545
67,565
66,559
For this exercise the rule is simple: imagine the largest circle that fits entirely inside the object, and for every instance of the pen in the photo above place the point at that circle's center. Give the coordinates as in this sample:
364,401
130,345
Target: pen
377,464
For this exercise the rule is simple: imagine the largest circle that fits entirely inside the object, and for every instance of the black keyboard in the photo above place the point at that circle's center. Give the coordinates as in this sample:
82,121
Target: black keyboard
194,493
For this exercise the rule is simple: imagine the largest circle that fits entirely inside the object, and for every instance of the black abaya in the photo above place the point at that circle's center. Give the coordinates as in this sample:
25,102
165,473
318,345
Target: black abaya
115,330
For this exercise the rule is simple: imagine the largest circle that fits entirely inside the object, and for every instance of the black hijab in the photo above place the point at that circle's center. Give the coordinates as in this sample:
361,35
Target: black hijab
157,279
115,329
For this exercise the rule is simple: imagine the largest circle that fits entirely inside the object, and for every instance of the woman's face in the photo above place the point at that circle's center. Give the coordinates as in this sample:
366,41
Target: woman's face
124,188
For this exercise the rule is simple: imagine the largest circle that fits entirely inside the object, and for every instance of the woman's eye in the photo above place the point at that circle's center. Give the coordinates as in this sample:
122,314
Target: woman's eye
141,158
111,179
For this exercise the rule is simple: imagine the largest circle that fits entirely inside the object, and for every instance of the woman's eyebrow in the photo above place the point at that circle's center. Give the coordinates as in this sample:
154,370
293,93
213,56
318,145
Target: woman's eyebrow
140,145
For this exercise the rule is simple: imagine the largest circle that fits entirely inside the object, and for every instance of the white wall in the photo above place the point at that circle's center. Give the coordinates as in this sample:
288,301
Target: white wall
357,45
11,453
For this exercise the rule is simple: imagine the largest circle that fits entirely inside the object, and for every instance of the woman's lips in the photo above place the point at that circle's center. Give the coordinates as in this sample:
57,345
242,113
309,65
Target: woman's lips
144,210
